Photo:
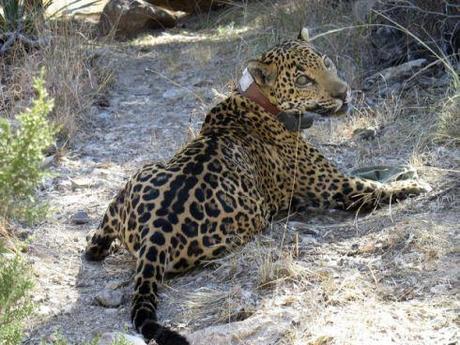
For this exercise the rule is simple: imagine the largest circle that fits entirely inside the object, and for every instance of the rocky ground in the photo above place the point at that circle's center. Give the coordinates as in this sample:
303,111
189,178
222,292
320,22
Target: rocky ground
323,278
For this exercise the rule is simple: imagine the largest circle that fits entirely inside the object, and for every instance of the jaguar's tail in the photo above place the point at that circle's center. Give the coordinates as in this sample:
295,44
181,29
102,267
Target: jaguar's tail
144,319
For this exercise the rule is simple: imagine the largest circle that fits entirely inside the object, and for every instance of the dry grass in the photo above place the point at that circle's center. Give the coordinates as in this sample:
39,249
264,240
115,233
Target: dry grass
344,291
214,305
74,78
4,235
448,124
384,278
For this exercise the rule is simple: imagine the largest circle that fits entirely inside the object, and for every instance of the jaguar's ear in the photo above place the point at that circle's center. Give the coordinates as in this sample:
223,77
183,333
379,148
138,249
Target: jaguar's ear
264,74
304,35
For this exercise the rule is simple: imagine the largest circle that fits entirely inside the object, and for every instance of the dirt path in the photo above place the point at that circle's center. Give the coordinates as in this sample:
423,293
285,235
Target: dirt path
330,278
148,119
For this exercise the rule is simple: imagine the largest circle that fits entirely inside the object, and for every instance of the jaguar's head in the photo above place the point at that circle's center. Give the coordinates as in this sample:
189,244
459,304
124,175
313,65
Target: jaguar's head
295,76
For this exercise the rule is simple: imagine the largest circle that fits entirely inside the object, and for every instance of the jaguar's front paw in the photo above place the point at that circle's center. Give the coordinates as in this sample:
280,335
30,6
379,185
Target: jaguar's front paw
407,188
421,187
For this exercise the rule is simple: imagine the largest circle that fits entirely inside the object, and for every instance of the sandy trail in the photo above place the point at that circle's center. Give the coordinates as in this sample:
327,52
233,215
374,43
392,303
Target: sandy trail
164,84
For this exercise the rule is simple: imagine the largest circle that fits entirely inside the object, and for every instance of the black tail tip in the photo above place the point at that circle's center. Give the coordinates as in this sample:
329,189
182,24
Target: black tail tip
162,335
169,337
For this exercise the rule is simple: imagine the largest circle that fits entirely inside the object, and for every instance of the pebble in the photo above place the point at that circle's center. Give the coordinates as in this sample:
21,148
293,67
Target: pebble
8,256
44,310
23,234
365,133
81,217
109,298
109,338
308,240
63,185
47,162
174,93
81,182
439,289
104,116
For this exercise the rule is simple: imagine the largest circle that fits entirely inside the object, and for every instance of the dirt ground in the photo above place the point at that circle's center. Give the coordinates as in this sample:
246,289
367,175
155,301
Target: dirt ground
390,277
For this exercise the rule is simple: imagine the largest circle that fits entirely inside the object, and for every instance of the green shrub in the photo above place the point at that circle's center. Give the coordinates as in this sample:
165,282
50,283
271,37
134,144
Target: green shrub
21,156
15,306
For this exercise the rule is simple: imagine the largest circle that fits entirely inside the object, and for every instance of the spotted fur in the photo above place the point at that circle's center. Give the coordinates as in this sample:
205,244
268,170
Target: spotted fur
224,186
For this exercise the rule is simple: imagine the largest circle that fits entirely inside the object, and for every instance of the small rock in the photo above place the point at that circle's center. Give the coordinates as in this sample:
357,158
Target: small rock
8,256
439,289
102,102
302,228
259,329
113,285
47,162
81,217
80,182
365,133
62,185
109,298
110,312
23,234
104,116
174,93
50,150
109,338
308,241
44,310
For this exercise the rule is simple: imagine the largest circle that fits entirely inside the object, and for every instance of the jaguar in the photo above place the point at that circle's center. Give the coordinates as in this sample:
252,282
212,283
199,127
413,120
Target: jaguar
248,163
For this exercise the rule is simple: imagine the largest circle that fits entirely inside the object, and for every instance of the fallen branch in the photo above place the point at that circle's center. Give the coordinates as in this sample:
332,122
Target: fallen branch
12,37
9,42
396,73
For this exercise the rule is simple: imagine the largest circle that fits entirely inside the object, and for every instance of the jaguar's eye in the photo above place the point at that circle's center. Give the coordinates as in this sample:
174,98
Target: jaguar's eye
303,81
328,63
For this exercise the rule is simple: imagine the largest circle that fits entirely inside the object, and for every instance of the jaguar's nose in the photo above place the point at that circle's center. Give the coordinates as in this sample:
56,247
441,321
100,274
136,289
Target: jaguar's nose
340,91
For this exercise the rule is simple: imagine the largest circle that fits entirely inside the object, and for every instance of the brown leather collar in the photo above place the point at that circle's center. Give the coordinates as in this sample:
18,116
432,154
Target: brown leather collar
249,89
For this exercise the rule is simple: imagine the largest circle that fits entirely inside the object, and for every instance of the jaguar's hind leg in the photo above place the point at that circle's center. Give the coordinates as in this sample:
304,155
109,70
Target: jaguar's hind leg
99,241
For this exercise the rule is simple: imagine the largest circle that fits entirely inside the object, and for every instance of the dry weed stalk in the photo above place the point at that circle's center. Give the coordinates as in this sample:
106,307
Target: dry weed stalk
216,305
74,78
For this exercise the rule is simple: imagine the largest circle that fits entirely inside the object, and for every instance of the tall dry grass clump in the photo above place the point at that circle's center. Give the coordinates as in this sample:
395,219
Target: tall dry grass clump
74,78
448,124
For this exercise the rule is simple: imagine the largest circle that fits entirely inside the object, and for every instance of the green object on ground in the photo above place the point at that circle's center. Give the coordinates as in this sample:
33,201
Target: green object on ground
386,174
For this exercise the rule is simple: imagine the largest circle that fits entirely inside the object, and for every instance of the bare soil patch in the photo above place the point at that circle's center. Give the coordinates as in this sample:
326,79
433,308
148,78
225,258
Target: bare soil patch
390,277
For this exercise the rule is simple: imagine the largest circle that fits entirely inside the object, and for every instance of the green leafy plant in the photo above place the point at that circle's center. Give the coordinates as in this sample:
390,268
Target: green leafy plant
21,156
15,306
